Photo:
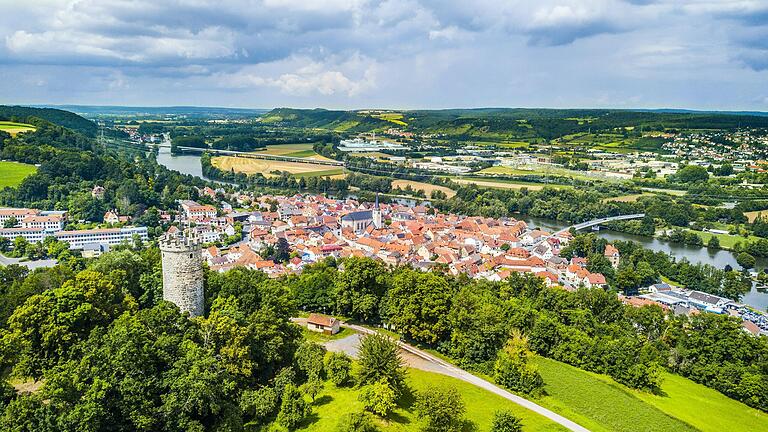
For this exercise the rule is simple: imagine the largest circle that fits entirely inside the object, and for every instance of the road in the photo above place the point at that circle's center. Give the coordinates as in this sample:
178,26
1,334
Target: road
434,364
4,260
602,221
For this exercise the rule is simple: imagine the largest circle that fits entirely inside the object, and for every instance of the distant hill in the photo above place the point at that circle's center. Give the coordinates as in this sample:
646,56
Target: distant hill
506,124
56,116
93,111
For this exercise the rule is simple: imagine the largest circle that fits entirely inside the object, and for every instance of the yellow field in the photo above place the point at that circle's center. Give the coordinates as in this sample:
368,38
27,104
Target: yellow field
751,216
626,198
426,187
265,167
14,128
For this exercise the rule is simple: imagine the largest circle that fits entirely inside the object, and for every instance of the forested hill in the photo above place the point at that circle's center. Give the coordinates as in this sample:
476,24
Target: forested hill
519,123
56,116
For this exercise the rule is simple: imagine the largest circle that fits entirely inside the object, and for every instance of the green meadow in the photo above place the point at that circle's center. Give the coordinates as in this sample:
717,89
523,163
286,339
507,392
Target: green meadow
12,173
13,128
334,402
599,403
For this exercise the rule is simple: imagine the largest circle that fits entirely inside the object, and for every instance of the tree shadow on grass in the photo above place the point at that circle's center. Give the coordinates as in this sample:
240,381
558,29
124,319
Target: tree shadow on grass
308,420
407,398
398,418
322,400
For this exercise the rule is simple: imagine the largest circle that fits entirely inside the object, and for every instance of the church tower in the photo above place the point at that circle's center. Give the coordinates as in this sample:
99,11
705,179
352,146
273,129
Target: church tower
182,261
376,213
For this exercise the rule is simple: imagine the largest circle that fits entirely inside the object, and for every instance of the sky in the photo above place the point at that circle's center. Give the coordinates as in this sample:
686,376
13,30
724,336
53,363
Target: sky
398,54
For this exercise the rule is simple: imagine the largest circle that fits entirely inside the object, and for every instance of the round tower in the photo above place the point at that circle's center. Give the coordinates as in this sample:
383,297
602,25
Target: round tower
182,260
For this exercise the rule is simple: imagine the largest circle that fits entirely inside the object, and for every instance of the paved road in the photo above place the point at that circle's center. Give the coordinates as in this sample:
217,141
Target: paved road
440,366
4,260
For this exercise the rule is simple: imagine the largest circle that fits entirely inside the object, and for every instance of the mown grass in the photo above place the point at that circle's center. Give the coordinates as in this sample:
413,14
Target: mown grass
598,403
12,173
13,128
332,404
704,408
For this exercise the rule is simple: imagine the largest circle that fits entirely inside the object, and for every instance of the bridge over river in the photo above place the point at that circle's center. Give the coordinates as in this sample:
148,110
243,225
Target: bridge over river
600,221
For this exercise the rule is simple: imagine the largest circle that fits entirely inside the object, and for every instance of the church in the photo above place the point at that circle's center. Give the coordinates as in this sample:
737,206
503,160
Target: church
359,221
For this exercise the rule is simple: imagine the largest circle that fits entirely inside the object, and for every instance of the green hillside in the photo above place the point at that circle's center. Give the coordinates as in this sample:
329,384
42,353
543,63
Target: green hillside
600,404
333,403
579,126
56,116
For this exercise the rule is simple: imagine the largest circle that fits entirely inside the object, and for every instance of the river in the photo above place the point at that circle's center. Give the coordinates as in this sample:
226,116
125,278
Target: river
190,164
719,258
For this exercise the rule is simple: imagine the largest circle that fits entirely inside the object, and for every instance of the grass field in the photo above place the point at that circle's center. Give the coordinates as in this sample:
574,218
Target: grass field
626,198
704,408
726,240
265,167
302,150
14,128
12,173
600,404
426,187
335,402
505,184
544,171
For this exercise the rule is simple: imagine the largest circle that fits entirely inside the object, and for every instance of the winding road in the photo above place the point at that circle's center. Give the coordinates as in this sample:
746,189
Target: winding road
434,364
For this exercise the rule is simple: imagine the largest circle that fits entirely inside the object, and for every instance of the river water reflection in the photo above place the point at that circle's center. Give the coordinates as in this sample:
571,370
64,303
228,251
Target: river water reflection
190,164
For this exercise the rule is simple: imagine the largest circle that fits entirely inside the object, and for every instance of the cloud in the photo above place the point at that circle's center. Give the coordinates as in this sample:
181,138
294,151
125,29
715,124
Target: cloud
349,77
395,52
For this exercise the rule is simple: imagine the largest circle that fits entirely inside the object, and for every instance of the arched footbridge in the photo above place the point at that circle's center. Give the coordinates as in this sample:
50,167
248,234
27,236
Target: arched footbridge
594,222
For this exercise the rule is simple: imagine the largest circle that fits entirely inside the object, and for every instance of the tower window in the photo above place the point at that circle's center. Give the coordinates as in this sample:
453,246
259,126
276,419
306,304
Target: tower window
190,255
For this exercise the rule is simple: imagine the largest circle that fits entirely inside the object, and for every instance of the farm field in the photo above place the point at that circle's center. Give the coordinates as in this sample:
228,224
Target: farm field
14,128
12,173
335,402
426,187
627,198
751,216
266,167
302,150
505,184
544,171
600,404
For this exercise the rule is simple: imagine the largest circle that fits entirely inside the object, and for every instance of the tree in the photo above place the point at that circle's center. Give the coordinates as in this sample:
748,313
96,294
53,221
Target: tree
506,421
360,286
293,409
379,360
356,422
378,398
713,242
11,222
312,387
442,409
745,260
338,367
691,174
418,304
43,330
309,359
512,369
258,405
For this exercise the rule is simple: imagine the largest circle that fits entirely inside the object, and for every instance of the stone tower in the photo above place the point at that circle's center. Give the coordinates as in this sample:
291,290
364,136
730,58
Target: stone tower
376,213
183,271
